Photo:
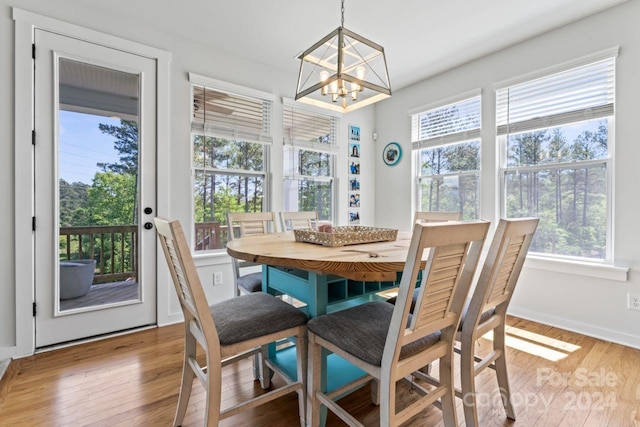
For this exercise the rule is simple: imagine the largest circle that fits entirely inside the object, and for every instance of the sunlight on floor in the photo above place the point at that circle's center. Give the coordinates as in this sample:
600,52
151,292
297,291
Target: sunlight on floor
538,345
389,293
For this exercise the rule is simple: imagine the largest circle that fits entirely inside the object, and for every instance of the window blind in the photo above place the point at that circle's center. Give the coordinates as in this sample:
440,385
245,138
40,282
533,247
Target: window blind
581,93
231,116
456,122
310,130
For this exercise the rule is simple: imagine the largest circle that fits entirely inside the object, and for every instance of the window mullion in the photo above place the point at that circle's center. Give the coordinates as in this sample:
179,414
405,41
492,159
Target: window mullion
449,174
234,172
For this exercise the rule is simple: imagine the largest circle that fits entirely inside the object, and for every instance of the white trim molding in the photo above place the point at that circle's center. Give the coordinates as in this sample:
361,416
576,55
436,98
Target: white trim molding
616,273
224,86
566,65
446,101
25,25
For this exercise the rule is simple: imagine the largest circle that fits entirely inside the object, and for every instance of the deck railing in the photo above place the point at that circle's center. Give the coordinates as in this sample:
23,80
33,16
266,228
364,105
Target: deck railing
115,249
208,236
211,235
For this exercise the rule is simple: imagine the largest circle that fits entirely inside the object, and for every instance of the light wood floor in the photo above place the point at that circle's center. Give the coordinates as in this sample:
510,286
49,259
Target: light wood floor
558,378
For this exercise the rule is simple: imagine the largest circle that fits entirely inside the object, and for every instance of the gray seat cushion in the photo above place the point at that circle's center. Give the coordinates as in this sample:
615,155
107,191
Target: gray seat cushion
254,315
251,282
483,318
362,332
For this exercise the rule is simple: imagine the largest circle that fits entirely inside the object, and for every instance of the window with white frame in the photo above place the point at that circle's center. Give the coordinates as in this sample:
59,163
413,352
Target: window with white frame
231,135
556,158
446,149
310,149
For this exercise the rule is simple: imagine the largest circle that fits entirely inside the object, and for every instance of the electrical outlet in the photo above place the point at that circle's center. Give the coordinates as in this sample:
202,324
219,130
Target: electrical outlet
217,278
633,301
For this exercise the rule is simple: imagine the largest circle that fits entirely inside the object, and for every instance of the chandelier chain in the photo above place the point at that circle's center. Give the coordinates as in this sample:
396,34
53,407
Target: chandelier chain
342,12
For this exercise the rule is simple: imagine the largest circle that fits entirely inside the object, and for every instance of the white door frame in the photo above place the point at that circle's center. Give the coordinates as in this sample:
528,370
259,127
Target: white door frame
25,25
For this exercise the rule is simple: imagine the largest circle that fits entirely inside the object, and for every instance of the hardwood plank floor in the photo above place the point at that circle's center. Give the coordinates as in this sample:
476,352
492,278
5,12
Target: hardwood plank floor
558,378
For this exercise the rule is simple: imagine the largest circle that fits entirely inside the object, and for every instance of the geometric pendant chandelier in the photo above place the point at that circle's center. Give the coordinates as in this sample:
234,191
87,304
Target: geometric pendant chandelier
343,72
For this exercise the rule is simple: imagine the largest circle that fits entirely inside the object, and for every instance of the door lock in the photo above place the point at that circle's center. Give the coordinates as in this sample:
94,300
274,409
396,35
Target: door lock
148,211
148,226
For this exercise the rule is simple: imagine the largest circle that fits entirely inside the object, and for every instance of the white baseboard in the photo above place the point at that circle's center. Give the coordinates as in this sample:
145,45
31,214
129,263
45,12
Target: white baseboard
171,319
574,326
93,339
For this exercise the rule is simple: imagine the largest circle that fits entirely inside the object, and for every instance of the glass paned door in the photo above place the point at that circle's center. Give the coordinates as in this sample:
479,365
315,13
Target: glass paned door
95,191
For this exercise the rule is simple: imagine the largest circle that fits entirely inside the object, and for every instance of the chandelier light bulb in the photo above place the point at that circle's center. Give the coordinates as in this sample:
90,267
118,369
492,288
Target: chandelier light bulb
324,75
343,90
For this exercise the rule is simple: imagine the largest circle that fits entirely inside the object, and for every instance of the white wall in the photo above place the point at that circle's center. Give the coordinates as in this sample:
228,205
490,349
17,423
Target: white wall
187,57
574,300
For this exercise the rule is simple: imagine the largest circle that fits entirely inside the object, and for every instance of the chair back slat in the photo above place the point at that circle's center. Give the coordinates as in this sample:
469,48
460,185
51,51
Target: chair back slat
440,284
183,290
298,220
454,250
509,259
436,216
504,262
251,228
251,223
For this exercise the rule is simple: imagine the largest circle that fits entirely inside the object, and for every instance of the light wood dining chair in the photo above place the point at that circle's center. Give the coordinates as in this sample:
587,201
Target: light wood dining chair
436,216
248,224
389,344
487,311
296,220
227,332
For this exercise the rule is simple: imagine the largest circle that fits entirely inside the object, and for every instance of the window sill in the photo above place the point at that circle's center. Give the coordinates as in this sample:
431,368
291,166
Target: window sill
616,273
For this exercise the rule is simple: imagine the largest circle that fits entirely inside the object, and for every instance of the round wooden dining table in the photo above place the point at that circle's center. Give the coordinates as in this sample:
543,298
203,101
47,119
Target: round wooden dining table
369,262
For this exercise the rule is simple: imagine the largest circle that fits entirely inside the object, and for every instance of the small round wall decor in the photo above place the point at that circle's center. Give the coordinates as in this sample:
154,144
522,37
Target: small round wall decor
391,154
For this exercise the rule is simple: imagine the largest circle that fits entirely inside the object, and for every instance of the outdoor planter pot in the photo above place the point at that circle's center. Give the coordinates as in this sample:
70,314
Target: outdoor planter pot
76,277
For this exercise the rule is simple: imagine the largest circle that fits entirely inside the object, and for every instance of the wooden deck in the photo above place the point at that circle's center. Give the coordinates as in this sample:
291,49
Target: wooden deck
558,378
104,293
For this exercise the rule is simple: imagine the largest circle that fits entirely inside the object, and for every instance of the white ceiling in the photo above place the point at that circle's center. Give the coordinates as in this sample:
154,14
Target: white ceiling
421,37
